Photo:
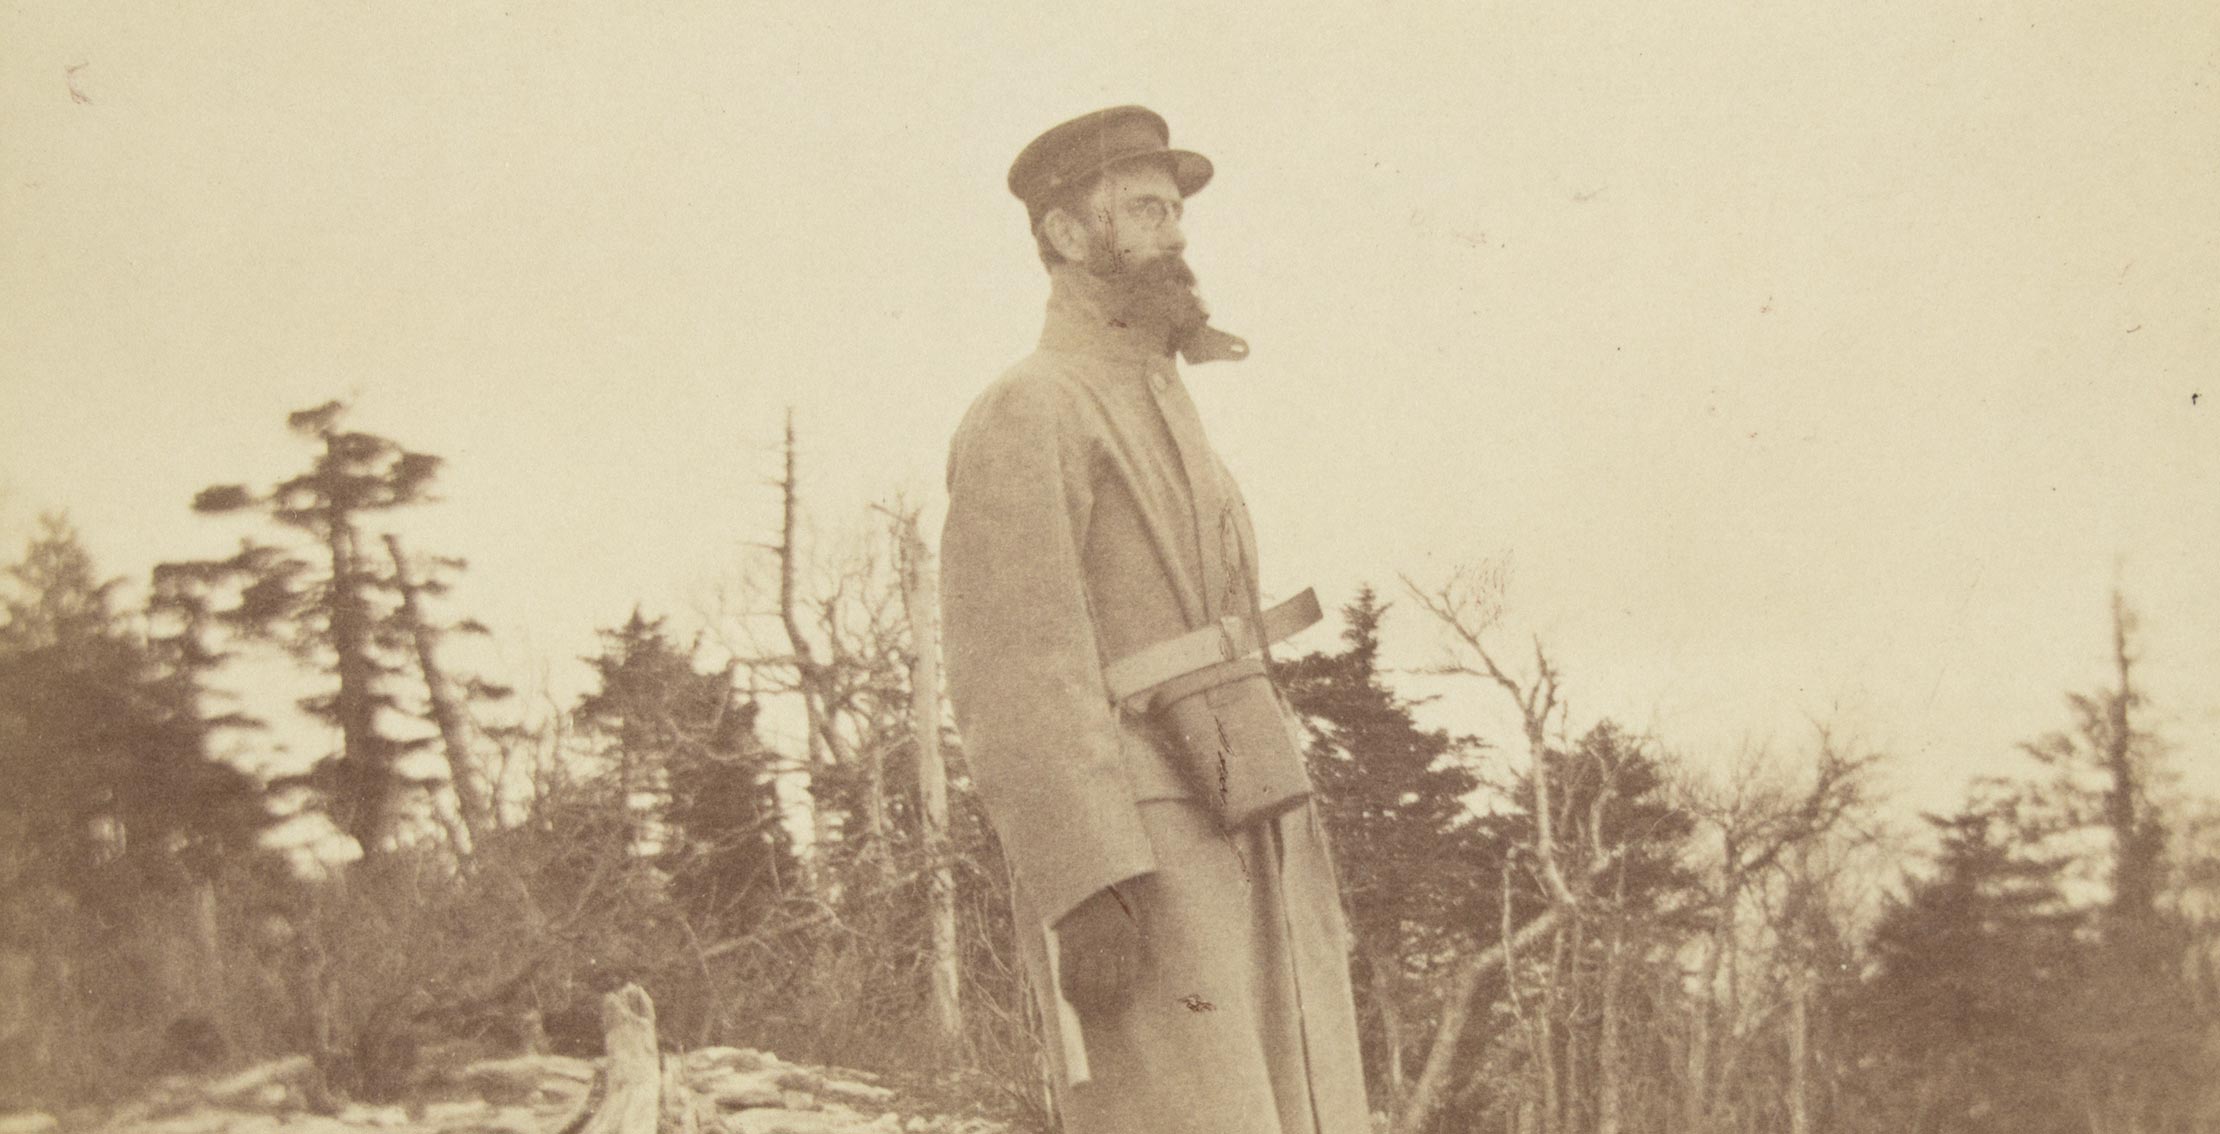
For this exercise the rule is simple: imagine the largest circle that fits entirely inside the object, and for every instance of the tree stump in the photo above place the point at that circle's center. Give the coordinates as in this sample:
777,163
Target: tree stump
632,1080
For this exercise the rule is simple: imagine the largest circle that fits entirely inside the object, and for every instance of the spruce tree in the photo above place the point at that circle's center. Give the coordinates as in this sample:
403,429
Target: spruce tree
332,605
115,823
687,782
1964,1017
1417,868
111,788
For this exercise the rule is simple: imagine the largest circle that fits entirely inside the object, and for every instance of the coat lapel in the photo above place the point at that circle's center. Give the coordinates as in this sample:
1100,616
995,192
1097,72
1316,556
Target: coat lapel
1078,322
1201,467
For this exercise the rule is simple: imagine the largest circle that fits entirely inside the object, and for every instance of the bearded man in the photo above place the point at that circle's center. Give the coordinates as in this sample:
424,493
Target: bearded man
1176,907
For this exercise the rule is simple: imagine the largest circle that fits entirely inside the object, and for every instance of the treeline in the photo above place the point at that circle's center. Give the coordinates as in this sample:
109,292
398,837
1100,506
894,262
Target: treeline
1567,929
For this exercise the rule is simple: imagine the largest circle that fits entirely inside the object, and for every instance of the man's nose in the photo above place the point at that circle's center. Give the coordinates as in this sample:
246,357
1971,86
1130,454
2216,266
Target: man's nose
1171,238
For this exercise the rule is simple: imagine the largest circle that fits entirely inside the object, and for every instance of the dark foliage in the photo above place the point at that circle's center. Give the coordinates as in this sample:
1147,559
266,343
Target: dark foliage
114,821
325,598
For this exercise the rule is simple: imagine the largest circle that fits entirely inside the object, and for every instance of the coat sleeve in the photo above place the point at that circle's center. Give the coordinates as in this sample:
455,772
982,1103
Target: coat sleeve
1023,666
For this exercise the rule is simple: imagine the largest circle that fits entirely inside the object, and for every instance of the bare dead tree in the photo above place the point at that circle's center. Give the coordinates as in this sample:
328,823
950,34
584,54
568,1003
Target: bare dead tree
864,684
1541,1026
1610,1059
845,654
1469,606
921,597
1759,820
1428,1092
1799,1049
1387,1001
809,675
476,814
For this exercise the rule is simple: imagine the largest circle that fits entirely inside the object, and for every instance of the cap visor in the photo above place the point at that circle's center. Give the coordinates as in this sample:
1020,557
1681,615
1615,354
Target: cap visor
1190,171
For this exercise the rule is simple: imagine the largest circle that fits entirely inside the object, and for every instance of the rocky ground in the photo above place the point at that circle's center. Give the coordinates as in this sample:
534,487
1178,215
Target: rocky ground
723,1090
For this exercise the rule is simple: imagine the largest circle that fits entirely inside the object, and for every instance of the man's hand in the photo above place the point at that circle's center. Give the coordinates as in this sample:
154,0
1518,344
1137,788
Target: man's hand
1099,952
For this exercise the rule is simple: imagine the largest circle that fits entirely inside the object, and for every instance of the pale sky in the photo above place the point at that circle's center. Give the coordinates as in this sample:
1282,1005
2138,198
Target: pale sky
1808,361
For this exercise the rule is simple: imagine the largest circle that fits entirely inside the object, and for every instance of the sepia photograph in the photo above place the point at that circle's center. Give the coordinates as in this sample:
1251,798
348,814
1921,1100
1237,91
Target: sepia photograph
1384,567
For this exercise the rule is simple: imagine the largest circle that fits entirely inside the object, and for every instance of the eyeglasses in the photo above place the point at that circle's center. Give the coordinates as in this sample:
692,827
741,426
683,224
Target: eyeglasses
1152,212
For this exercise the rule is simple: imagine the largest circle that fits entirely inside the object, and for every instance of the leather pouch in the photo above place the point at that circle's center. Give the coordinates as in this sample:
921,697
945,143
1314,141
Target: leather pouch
1232,741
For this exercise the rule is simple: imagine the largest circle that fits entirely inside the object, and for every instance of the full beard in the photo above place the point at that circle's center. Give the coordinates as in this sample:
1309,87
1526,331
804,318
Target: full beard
1159,292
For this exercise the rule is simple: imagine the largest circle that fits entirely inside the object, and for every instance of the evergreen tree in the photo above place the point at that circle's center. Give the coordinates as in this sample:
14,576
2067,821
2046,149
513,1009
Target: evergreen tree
1973,967
2136,1054
2102,772
688,782
111,789
1394,795
1417,867
115,822
335,614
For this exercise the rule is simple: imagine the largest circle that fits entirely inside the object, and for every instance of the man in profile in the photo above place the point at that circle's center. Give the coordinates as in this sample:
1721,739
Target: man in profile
1176,908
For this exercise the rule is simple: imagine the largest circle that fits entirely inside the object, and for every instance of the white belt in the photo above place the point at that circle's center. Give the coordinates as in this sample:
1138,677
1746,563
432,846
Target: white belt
1228,639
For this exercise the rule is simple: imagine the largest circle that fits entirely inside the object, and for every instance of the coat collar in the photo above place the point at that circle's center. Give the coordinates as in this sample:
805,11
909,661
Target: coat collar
1079,320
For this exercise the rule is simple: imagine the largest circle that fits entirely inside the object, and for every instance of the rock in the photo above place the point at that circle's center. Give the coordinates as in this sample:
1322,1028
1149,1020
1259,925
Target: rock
208,1121
294,1124
501,1120
376,1117
560,1091
783,1121
852,1092
733,1090
801,1079
707,1059
168,1099
528,1079
724,1090
551,1103
28,1122
254,1084
456,1112
518,1079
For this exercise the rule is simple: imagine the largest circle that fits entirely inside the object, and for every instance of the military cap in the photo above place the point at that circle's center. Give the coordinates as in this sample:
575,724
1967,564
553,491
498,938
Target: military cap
1087,145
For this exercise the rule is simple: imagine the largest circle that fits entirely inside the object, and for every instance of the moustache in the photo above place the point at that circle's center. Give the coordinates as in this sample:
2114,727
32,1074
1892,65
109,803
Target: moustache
1164,287
1171,269
1110,265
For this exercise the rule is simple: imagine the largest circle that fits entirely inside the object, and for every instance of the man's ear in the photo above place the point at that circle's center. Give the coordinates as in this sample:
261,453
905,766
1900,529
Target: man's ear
1067,234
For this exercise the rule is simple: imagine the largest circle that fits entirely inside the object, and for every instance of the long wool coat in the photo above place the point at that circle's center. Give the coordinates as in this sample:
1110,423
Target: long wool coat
1088,518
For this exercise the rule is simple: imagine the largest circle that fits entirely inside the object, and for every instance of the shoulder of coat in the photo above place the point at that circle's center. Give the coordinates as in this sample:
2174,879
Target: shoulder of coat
1039,389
